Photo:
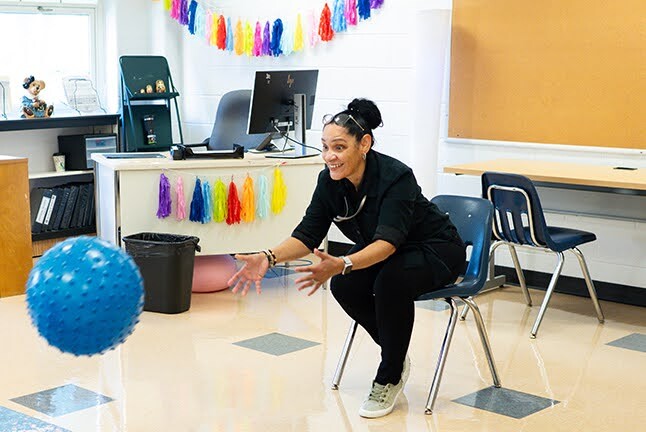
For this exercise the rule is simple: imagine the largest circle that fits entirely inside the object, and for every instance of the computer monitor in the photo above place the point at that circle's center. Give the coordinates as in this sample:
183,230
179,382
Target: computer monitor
284,101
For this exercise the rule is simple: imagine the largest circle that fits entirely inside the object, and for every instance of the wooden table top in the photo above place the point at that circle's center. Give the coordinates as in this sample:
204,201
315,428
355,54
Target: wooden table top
559,172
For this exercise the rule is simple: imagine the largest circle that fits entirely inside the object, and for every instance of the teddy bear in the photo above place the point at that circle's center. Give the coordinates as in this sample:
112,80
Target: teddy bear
160,87
34,107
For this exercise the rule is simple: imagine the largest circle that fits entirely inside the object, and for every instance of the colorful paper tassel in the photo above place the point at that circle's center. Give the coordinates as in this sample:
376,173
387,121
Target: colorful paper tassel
183,12
167,4
262,202
376,4
248,211
181,199
339,23
287,41
238,39
314,33
298,34
248,39
229,38
363,7
219,201
233,205
207,197
197,203
325,28
351,12
257,40
266,40
276,34
191,17
279,193
221,40
174,10
164,207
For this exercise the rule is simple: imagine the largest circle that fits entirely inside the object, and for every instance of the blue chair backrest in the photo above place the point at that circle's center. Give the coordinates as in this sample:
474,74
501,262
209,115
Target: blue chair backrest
230,125
521,203
473,218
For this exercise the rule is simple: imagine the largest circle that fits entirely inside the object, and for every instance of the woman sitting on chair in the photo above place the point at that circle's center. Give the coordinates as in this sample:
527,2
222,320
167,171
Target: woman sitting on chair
404,246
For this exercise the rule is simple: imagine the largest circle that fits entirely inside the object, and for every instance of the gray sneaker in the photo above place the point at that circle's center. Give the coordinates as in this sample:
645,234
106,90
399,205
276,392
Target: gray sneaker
381,400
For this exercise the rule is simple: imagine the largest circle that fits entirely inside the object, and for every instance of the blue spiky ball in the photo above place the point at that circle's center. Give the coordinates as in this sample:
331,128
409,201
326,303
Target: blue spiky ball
85,295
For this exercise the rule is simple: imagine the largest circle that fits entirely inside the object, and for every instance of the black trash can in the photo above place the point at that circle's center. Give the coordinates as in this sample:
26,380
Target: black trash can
166,265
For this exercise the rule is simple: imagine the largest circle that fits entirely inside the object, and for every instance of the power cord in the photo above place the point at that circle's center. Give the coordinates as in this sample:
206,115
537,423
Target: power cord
287,137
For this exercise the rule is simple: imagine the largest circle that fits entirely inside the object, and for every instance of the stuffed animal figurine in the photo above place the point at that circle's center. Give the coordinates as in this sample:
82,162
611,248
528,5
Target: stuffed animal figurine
34,107
160,87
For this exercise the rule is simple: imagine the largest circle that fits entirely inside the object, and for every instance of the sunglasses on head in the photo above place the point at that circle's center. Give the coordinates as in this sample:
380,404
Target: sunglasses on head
341,120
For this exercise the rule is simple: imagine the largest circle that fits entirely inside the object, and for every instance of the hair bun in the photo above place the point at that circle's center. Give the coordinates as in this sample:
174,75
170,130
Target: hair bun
368,111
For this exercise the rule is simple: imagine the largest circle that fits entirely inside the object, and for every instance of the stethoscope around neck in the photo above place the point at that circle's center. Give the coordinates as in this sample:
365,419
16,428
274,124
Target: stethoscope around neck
347,210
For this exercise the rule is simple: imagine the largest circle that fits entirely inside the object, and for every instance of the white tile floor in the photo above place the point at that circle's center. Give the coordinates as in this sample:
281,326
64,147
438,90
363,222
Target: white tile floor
185,372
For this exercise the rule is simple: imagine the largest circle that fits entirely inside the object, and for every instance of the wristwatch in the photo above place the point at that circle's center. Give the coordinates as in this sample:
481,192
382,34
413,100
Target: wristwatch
347,265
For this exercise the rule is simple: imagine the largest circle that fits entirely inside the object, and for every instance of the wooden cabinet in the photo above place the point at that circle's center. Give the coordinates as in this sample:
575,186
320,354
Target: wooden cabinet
15,226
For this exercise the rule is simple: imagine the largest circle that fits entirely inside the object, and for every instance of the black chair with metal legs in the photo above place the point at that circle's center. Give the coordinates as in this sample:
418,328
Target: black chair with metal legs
473,219
520,222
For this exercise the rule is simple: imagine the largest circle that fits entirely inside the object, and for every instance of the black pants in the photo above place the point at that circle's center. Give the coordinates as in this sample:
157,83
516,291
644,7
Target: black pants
381,298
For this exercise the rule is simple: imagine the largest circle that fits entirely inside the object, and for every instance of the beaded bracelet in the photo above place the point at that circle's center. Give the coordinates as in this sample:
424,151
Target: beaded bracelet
270,257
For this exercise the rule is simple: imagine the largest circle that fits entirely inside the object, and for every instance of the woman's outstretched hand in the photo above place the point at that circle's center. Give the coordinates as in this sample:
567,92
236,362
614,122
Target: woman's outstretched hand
254,269
318,273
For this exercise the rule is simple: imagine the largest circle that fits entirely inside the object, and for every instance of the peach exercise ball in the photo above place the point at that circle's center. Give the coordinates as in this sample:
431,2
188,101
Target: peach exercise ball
212,272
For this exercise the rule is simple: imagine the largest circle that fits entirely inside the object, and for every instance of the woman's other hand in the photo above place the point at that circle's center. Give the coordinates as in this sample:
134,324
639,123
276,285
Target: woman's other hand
318,274
254,269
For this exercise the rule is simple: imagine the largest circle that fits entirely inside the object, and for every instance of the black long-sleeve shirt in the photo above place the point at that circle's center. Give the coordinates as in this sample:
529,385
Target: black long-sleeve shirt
394,211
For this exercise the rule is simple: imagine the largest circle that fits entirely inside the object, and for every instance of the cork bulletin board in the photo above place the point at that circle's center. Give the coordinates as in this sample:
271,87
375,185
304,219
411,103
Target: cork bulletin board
558,72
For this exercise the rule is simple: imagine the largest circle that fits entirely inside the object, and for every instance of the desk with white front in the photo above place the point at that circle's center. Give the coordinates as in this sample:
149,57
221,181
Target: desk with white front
128,197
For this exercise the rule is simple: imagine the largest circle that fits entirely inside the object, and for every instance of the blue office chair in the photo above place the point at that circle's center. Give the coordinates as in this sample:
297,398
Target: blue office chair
473,219
519,221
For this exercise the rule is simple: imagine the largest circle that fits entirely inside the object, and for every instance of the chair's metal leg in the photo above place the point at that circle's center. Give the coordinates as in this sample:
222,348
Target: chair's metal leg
548,294
493,282
465,311
485,340
589,283
519,273
344,355
437,377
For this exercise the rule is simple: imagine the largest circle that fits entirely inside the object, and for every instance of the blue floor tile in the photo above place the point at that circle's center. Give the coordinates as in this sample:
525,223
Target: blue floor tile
61,400
13,421
276,344
635,342
506,402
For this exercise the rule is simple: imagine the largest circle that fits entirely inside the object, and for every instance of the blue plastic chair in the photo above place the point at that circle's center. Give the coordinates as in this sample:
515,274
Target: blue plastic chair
473,219
519,221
